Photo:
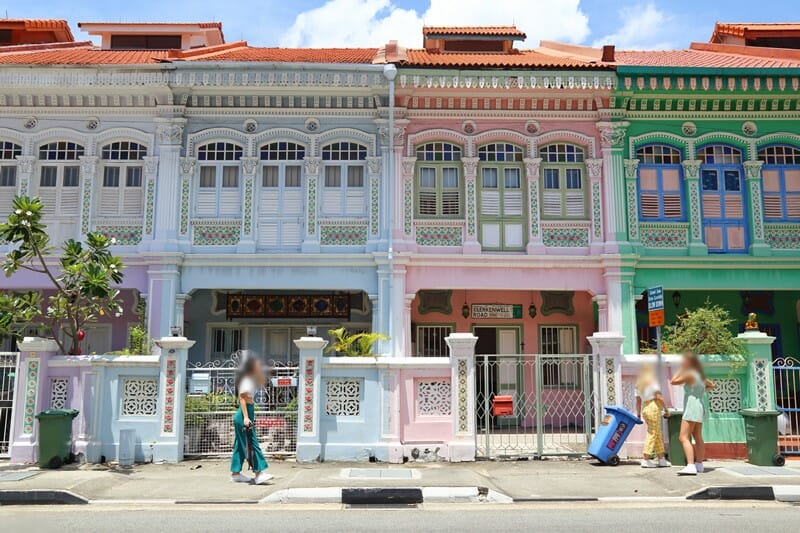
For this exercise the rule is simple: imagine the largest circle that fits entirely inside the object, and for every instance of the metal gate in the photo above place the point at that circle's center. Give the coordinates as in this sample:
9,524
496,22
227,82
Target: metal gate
8,377
787,399
552,405
211,404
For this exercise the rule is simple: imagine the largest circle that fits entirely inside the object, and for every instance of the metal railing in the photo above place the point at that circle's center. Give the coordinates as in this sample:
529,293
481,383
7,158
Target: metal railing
211,403
786,372
553,405
9,373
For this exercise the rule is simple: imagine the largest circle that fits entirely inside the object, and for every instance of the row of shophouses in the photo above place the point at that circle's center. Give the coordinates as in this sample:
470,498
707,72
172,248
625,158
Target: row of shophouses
529,196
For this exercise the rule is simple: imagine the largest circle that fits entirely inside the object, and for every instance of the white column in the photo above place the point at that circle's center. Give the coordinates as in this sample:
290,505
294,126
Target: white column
535,244
247,243
88,171
397,328
607,349
602,311
180,310
612,138
597,236
309,447
25,166
312,167
462,386
173,184
174,354
472,244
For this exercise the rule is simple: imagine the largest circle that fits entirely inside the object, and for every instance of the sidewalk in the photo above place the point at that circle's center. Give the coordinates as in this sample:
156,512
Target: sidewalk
207,480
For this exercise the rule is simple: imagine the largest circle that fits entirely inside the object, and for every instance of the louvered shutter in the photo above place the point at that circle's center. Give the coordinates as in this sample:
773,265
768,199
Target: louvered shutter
451,193
355,203
332,191
792,187
671,191
293,192
8,188
426,193
133,192
270,192
292,233
268,233
206,205
47,191
733,206
230,196
70,193
109,192
574,195
648,193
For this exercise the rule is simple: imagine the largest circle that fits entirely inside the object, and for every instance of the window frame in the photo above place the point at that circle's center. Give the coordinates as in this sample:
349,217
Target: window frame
419,333
488,159
219,162
228,332
9,151
555,369
344,164
563,167
443,155
130,157
782,192
659,191
66,161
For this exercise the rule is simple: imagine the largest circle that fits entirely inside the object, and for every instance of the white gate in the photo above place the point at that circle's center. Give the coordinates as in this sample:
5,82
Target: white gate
787,399
211,404
8,377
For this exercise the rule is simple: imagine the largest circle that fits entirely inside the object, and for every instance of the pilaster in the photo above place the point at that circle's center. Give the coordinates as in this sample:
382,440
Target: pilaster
88,172
408,166
752,172
535,244
150,178
759,366
595,170
174,354
173,185
471,242
374,170
25,166
247,243
607,351
312,167
691,184
612,142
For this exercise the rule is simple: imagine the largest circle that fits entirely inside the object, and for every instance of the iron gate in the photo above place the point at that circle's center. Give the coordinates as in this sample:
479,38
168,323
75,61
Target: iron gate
552,411
211,403
787,399
8,377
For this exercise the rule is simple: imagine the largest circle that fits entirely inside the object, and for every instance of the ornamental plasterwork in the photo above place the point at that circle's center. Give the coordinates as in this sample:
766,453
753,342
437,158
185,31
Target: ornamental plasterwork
150,164
374,166
612,135
408,164
187,165
631,165
691,168
479,80
25,163
170,133
749,128
88,165
312,165
752,169
399,134
470,166
689,129
532,167
249,165
594,167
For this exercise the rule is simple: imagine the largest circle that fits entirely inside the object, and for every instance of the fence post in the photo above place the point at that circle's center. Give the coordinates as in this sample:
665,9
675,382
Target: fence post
309,447
607,350
172,398
760,376
462,386
30,397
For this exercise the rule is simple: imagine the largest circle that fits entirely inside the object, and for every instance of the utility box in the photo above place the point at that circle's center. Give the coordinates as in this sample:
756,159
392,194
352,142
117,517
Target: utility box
126,453
200,383
503,406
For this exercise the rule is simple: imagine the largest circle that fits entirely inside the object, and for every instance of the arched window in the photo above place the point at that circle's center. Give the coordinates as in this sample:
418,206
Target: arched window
59,178
439,180
343,184
121,192
8,175
281,206
722,198
780,177
660,190
219,193
564,183
501,197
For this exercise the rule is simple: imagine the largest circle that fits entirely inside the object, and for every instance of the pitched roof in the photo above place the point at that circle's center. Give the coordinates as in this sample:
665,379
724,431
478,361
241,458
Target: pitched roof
59,27
712,56
485,31
294,55
754,29
83,54
517,59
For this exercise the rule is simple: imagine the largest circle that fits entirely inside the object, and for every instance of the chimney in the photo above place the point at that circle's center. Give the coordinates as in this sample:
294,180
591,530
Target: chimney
391,51
608,53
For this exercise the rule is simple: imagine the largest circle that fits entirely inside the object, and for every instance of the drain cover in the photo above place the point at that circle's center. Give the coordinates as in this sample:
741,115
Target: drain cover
16,476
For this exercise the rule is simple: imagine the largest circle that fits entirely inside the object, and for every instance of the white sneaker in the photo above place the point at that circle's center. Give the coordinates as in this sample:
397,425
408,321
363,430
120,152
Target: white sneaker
663,463
263,477
647,463
240,478
688,470
700,468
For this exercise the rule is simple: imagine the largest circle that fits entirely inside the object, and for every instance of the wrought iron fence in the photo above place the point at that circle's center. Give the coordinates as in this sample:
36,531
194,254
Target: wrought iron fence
552,405
211,403
787,399
8,377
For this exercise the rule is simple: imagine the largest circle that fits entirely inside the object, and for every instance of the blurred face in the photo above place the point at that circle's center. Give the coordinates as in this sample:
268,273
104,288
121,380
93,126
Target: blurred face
686,363
258,372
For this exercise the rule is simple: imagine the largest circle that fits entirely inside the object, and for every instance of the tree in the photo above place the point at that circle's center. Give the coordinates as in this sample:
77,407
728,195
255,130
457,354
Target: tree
353,344
705,330
83,281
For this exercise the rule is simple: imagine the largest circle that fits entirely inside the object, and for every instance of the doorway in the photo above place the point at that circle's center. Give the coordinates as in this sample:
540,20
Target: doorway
496,354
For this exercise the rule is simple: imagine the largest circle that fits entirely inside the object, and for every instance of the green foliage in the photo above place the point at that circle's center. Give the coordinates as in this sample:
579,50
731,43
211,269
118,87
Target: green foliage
353,344
705,330
17,311
291,412
83,282
207,403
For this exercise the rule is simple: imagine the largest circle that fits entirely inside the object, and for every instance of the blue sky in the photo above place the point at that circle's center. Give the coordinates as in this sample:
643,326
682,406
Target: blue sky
651,24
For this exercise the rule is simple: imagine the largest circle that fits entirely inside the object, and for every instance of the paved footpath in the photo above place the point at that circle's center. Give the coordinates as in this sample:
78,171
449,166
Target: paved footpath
201,481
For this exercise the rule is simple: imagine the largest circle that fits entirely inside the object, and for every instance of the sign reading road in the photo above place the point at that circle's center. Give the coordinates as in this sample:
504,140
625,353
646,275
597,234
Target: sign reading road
655,306
496,311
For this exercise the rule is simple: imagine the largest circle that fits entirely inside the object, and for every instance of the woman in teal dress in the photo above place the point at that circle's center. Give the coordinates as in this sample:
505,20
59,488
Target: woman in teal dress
695,385
245,444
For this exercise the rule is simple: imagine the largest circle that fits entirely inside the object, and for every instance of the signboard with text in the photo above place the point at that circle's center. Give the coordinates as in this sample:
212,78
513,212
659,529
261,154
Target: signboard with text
496,311
655,306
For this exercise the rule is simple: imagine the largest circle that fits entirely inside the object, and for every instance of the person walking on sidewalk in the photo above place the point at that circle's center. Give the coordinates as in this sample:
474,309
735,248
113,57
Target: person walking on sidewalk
695,385
245,444
650,406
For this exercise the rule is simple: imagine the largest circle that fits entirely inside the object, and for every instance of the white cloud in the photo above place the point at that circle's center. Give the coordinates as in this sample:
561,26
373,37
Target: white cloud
644,27
375,22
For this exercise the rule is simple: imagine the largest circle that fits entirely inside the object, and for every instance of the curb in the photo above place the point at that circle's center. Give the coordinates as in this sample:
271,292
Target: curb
780,493
41,497
386,496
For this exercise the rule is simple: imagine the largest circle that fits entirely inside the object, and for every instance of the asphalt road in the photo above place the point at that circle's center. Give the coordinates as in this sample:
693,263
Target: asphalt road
650,518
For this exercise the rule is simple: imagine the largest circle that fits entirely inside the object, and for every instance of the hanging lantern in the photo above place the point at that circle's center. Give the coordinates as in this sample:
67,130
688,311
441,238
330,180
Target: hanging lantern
532,310
465,310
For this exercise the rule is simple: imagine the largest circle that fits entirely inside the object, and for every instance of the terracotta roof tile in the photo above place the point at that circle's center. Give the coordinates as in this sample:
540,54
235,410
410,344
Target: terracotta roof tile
520,59
493,31
85,55
698,57
296,55
59,27
741,29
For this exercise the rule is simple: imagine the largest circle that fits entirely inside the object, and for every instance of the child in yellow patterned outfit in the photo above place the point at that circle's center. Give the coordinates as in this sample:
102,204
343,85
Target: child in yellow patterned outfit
650,405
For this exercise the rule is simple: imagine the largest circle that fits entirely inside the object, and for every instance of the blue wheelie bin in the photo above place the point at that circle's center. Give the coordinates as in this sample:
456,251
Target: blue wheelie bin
614,429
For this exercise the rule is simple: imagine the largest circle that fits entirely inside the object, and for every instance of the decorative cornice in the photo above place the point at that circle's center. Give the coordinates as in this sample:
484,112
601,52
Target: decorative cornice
522,79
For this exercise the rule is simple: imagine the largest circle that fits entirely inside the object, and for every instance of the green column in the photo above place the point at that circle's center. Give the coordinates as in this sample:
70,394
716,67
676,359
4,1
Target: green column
760,383
752,172
691,187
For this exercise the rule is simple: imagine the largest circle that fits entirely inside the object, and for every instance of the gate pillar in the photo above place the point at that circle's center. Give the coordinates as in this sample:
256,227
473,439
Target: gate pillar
760,375
309,447
172,398
462,358
607,353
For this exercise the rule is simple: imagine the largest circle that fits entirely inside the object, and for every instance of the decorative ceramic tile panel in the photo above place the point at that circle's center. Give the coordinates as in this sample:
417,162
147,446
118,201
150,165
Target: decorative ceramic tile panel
762,385
124,235
216,232
597,217
694,211
374,205
139,397
633,210
308,396
471,204
533,207
436,235
311,203
664,235
434,397
248,205
408,206
31,385
611,382
726,397
463,401
184,206
783,236
756,215
59,391
343,397
565,234
149,207
168,415
346,234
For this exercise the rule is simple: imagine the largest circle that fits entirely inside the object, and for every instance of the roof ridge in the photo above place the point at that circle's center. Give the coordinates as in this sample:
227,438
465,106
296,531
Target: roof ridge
194,53
43,47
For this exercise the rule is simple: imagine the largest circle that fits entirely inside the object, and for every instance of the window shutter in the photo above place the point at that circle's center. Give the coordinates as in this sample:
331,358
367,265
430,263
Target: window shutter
132,201
206,202
268,234
70,196
574,204
551,203
292,233
355,201
451,202
293,201
512,203
672,206
649,203
490,202
8,188
109,201
230,202
712,207
270,201
733,206
427,203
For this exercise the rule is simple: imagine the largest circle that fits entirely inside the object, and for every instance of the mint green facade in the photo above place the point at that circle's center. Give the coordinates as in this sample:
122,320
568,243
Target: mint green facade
696,220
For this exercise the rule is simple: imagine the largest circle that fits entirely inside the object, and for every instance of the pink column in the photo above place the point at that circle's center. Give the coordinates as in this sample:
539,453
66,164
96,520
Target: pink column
30,397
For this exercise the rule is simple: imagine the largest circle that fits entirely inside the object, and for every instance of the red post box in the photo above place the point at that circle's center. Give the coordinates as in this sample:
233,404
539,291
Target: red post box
503,406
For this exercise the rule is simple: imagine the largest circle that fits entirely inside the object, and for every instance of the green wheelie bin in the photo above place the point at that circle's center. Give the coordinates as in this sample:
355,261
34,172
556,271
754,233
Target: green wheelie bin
676,455
55,437
761,432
